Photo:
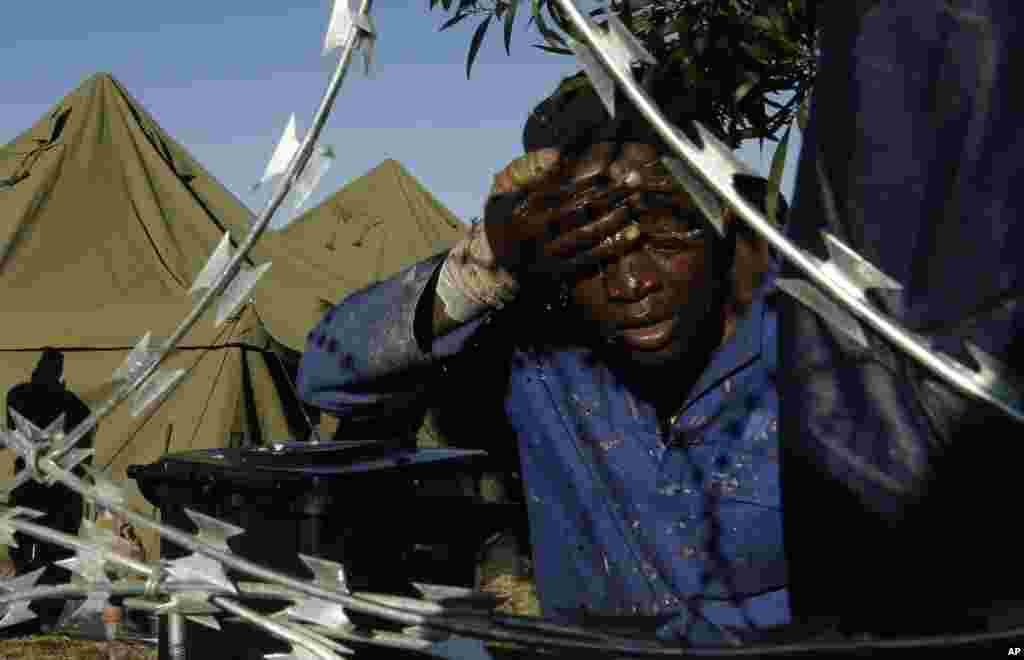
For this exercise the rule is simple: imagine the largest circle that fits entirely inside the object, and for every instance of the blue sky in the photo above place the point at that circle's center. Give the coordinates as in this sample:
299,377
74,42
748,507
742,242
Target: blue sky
222,77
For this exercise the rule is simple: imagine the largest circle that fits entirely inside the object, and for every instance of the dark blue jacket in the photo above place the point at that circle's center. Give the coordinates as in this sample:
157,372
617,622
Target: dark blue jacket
898,492
683,527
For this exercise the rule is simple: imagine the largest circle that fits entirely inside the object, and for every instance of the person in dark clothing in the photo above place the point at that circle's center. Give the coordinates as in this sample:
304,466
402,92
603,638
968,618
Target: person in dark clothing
898,490
41,400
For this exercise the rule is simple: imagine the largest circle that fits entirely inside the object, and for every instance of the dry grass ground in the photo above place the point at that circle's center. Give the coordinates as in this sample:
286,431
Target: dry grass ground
60,647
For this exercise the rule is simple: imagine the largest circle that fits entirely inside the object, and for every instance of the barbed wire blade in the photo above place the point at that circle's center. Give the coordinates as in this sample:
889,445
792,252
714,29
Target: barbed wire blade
854,268
73,459
90,566
155,389
214,266
835,316
706,200
205,621
320,612
91,608
630,49
32,435
599,78
8,514
200,568
340,27
238,291
368,43
285,150
18,612
140,357
991,370
213,532
327,574
194,606
320,160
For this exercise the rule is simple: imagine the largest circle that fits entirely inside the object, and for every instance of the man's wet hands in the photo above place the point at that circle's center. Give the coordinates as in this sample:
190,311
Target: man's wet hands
552,216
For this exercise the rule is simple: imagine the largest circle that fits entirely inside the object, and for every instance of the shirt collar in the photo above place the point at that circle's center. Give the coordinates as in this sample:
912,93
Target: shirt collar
751,338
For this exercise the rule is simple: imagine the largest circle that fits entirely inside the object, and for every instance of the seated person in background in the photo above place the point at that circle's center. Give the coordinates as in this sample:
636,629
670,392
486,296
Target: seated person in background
41,400
630,350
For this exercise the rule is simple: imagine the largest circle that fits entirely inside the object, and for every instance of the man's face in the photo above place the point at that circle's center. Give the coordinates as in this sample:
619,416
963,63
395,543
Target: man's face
656,301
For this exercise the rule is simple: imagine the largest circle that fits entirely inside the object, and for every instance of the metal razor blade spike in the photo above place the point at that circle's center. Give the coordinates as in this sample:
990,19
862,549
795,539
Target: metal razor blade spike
285,150
706,201
623,49
238,291
199,568
315,632
214,533
718,166
18,612
341,26
293,635
212,270
837,317
345,25
194,606
328,574
320,612
156,388
141,356
92,607
319,162
6,530
32,435
368,44
240,286
70,461
89,565
29,442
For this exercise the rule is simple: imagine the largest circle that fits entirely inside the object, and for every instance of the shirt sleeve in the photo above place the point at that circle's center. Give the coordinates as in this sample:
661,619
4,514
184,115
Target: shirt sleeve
363,362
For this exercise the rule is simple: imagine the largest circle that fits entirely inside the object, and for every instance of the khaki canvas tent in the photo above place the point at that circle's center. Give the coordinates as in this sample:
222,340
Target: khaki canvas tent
104,223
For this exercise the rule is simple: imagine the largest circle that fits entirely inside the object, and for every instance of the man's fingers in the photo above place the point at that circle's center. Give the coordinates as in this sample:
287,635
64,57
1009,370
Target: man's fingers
607,249
587,236
527,171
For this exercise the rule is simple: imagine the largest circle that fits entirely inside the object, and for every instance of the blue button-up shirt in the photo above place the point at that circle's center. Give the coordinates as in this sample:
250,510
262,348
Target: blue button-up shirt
680,525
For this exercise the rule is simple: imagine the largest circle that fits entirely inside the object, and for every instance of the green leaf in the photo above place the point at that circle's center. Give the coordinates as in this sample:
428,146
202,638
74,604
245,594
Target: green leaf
510,17
474,45
452,21
804,113
552,49
775,177
433,3
751,81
